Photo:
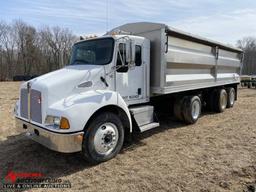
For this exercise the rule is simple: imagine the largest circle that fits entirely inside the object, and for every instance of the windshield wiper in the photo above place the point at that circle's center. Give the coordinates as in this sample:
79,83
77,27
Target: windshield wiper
80,61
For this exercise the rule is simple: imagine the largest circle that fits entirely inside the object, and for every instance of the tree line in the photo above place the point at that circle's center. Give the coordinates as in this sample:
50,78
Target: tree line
29,51
248,45
26,50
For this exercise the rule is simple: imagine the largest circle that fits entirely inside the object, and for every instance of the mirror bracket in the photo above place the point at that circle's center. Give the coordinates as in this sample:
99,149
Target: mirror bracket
130,52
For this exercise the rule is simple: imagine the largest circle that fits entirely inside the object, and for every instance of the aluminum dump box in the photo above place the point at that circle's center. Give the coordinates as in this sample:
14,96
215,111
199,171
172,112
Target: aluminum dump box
181,61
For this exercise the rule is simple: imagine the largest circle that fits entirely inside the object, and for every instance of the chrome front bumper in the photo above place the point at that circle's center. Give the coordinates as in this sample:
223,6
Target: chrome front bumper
65,143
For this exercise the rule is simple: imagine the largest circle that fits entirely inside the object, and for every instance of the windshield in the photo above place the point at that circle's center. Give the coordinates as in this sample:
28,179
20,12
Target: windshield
93,52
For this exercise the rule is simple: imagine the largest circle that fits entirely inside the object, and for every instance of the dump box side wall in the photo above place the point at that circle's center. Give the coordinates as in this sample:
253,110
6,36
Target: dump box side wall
188,62
192,65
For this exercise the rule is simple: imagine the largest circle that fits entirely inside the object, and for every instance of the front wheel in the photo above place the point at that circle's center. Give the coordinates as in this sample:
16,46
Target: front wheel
103,139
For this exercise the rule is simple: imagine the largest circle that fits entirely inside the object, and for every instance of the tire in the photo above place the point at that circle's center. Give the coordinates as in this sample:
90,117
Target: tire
231,97
220,99
177,109
192,109
103,139
249,85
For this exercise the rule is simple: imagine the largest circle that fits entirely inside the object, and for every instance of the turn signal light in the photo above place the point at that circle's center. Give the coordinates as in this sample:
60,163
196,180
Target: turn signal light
64,123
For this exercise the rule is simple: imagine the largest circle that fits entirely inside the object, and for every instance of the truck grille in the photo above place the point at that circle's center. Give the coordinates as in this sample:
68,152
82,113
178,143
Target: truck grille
34,104
24,103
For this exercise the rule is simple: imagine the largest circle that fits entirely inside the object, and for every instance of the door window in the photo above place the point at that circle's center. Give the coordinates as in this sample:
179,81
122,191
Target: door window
138,60
121,58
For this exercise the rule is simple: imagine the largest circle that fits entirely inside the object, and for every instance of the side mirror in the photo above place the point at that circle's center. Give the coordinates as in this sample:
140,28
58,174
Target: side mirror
130,51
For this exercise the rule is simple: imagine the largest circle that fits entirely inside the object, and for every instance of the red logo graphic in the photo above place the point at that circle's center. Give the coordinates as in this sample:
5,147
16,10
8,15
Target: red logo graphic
13,176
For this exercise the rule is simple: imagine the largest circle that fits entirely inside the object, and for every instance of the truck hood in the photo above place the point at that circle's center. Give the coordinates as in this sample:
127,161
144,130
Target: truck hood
62,83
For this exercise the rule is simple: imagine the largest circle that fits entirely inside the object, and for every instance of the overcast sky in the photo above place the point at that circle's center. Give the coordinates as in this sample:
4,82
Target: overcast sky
221,20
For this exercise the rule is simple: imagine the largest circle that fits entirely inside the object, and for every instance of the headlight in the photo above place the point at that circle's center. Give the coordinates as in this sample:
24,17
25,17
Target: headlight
52,121
57,122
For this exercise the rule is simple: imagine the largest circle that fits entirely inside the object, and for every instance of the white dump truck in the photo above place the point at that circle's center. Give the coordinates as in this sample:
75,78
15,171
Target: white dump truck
116,84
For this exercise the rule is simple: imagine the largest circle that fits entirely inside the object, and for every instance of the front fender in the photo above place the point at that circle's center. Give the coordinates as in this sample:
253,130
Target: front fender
79,108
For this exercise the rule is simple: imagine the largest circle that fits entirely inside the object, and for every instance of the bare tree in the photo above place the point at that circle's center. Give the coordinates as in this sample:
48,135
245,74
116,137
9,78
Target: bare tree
24,50
58,42
8,45
67,40
25,38
1,51
248,45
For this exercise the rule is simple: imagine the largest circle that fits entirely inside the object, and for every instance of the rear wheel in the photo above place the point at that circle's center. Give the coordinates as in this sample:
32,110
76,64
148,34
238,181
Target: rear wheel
103,139
231,97
220,99
192,109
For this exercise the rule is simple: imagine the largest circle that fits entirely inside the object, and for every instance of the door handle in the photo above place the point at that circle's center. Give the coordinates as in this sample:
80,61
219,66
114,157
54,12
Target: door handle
139,91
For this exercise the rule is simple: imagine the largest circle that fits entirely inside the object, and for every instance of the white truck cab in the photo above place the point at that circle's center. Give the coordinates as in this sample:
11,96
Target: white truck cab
105,93
106,73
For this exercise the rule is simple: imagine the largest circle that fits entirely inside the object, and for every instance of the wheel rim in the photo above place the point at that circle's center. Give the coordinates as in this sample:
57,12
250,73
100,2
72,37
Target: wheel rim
195,109
232,97
106,138
223,100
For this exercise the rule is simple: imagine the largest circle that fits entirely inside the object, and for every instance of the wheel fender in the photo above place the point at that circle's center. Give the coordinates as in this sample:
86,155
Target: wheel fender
121,103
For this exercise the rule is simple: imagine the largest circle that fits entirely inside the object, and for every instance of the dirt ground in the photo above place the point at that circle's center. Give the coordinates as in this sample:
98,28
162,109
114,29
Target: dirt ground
218,153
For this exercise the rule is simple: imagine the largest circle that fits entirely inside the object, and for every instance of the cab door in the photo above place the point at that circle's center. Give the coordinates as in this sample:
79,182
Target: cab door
131,81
